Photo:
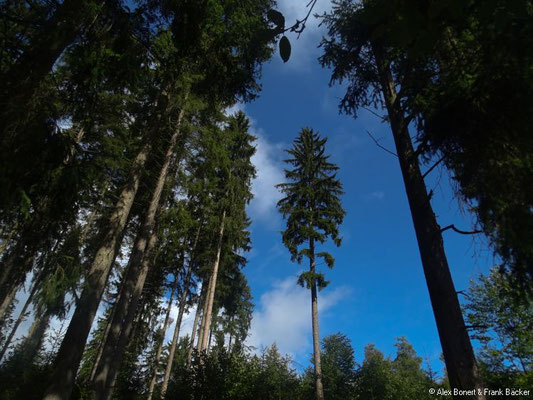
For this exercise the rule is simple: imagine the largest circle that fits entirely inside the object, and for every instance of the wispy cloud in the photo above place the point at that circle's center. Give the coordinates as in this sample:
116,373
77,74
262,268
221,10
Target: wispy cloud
283,316
377,195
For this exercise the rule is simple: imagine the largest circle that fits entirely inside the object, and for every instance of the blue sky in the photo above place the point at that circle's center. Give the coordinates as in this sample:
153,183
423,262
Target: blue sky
377,290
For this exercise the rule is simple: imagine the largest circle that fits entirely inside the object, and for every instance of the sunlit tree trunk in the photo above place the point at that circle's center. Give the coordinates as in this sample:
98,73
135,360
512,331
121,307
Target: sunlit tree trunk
119,334
199,307
211,292
162,339
69,356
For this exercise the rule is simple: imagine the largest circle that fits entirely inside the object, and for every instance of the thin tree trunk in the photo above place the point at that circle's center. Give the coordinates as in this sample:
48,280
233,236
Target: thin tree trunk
319,388
20,317
213,283
162,339
210,337
456,346
203,320
16,265
35,337
71,350
134,280
199,307
6,302
107,329
172,352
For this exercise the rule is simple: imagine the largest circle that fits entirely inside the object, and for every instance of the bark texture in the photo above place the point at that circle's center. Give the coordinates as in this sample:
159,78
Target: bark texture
69,356
134,280
457,349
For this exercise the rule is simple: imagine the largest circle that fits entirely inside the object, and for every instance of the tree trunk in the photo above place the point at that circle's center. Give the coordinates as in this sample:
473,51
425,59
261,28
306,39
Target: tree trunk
106,330
456,346
210,336
199,307
162,339
16,265
20,317
6,302
35,337
203,320
213,282
134,280
319,388
71,350
172,352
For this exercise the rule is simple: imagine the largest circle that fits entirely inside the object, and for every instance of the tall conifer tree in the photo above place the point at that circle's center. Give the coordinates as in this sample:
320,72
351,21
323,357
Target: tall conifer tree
313,210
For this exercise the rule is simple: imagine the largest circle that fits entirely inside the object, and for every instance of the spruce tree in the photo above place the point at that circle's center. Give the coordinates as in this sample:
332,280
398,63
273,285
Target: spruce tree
314,212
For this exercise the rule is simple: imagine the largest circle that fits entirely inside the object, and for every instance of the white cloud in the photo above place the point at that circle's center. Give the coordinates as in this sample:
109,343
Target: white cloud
269,173
186,322
283,316
268,160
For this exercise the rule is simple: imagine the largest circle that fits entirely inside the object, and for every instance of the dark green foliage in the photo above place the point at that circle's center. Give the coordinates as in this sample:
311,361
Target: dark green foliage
402,378
338,369
236,375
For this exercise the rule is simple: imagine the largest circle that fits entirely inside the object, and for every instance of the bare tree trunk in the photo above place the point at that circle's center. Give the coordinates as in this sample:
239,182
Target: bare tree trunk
210,336
107,329
134,281
172,352
456,346
319,388
213,282
20,317
204,312
71,350
162,339
199,307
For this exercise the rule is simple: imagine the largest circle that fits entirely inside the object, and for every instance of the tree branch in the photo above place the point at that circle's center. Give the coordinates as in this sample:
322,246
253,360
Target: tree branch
381,117
299,25
380,146
452,226
432,168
